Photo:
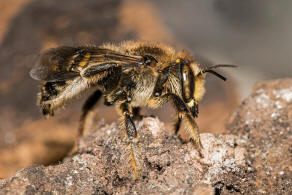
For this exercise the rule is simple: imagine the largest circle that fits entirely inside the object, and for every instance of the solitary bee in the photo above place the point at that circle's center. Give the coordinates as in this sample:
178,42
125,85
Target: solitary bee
130,75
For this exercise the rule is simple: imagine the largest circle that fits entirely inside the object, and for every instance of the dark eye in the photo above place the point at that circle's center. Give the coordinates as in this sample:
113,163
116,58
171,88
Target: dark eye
148,60
187,82
185,75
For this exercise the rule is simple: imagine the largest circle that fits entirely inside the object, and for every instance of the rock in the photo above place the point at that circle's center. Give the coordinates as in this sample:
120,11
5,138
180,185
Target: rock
254,158
264,124
101,165
204,190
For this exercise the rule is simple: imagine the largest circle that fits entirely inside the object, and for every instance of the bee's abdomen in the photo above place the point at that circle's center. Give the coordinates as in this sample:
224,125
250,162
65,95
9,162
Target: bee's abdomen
50,90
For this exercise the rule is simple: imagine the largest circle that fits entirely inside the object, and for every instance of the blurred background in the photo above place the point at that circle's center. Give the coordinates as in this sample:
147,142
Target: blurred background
255,35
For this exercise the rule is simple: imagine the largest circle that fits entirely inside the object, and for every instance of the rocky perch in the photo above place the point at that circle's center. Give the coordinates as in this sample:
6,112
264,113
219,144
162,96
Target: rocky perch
254,158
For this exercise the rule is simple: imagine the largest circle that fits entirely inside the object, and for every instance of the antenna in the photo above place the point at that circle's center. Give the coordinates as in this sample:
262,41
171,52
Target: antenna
209,69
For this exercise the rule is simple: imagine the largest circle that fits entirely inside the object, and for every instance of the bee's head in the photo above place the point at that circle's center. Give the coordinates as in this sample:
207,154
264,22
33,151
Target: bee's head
185,58
192,77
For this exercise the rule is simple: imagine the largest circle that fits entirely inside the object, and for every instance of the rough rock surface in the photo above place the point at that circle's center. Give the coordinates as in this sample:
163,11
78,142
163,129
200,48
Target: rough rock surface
255,158
264,124
101,165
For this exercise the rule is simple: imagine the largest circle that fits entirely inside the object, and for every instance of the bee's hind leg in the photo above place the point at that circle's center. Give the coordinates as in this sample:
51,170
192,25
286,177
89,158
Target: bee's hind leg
129,129
86,119
88,113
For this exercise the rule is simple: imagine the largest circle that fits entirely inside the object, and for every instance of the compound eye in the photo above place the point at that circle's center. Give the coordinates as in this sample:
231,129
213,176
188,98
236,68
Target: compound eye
188,83
149,60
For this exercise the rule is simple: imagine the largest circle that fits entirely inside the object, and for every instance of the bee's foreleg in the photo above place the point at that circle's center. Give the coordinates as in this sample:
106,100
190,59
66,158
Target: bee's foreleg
192,126
128,126
194,108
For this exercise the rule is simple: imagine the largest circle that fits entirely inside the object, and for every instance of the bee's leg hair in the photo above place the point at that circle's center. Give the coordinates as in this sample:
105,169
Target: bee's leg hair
177,125
122,92
88,113
116,95
128,126
194,109
192,126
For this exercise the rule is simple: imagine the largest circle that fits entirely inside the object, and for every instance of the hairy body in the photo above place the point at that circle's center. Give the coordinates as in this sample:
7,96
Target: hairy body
129,75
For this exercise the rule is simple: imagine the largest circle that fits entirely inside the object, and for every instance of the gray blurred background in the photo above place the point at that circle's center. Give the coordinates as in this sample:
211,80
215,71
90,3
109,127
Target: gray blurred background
254,34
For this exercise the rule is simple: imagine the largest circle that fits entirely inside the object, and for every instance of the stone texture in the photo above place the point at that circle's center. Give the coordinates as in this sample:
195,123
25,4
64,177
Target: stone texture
254,158
264,124
101,166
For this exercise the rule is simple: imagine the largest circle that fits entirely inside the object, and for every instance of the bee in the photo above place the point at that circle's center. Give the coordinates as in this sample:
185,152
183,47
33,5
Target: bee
129,75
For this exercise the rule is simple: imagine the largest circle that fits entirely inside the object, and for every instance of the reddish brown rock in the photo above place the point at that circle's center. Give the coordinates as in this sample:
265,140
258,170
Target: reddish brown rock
264,124
169,166
255,158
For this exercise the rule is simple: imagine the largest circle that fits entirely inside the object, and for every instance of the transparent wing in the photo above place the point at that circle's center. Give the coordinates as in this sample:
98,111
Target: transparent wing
65,63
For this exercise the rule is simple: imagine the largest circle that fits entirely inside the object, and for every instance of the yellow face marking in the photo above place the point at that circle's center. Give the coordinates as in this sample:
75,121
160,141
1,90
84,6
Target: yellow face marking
85,60
199,88
177,60
191,103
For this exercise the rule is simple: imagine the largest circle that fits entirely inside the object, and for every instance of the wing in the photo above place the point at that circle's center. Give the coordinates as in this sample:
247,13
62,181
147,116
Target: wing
64,63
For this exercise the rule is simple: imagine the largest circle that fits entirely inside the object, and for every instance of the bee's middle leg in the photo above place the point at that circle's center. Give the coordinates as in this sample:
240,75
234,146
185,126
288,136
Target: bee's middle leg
128,126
